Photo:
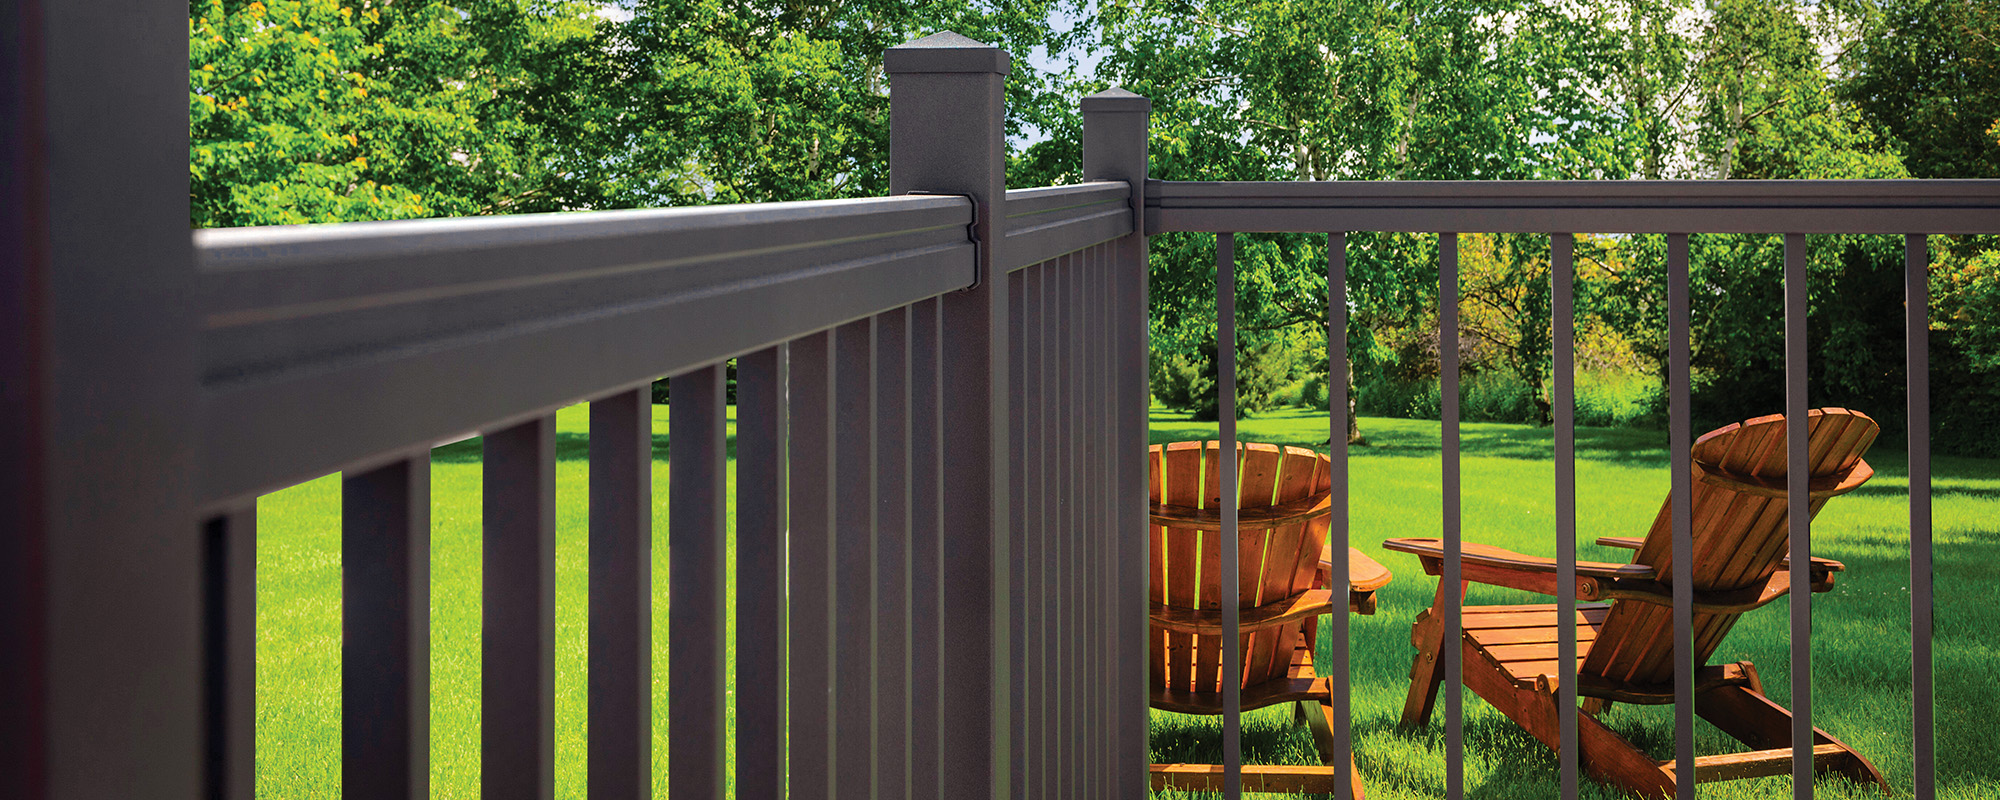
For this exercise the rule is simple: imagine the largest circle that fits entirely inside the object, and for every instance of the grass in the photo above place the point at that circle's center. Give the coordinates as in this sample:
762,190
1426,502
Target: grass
1860,648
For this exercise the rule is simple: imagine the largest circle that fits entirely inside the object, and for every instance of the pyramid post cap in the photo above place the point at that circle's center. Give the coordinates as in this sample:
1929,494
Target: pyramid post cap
945,51
1116,99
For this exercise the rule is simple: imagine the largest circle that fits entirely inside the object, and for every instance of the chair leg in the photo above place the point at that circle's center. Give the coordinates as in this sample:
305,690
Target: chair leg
1319,719
1604,755
1750,717
1427,673
1596,706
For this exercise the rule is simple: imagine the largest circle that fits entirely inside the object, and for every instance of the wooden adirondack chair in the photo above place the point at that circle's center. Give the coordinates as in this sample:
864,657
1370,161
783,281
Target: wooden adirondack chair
1283,554
1625,646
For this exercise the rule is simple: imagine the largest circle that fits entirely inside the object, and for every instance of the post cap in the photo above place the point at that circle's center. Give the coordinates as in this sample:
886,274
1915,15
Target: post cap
1117,99
945,52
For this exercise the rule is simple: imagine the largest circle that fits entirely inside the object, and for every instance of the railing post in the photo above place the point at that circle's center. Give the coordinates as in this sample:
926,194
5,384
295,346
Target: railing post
1114,149
945,137
101,580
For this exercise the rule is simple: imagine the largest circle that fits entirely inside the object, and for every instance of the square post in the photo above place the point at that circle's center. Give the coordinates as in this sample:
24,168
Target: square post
1114,149
945,137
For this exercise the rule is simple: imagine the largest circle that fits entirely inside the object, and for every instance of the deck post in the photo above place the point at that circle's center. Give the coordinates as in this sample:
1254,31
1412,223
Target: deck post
1114,149
102,663
946,108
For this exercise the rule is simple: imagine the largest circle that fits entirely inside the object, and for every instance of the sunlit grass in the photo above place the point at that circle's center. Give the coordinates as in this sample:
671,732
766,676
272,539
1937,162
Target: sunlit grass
1860,661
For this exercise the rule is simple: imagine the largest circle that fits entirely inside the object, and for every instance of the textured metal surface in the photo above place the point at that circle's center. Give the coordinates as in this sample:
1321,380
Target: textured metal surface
517,641
1798,520
1048,222
620,760
696,603
1225,396
761,519
1562,401
310,332
1341,666
1451,594
813,705
1030,446
1679,460
946,110
1818,206
1916,365
385,665
854,535
1018,552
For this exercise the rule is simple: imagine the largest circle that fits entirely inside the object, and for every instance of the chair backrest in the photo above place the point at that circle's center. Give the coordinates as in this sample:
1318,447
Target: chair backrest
1278,551
1740,532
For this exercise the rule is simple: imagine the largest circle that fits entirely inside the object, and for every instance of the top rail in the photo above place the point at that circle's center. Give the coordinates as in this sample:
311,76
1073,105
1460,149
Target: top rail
1046,222
324,347
1817,206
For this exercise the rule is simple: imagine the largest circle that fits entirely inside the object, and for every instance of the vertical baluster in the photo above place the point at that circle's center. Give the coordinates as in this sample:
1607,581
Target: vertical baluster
697,607
1917,365
1073,393
1225,396
230,630
1031,443
854,557
1562,277
892,553
761,519
1087,522
1048,285
927,636
517,645
621,596
813,502
1449,583
1338,570
385,703
1017,554
1679,444
1798,518
1106,643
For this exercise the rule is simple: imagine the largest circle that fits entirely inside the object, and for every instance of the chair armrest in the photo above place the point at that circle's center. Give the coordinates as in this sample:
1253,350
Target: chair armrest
1820,566
1500,567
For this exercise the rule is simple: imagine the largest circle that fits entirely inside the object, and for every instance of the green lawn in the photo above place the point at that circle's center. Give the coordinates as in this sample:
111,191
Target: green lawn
1860,659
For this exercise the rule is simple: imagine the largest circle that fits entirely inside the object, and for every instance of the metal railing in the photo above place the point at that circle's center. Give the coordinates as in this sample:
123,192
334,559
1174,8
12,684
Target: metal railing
890,353
940,443
1911,208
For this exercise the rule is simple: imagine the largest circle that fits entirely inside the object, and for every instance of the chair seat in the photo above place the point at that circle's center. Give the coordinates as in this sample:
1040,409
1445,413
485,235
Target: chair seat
1522,640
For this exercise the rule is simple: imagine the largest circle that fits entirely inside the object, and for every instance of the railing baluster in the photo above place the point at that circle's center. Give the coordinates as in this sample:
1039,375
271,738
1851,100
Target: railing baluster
1225,395
1337,535
1108,668
1099,506
813,701
1679,442
1562,311
697,612
927,640
1798,518
517,645
621,596
1048,281
1073,511
761,519
854,557
1017,553
1450,587
1917,385
385,701
230,627
892,553
1030,442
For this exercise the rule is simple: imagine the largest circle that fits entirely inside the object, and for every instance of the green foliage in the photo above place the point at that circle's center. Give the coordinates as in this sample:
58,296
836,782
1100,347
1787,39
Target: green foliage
1187,381
1925,71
